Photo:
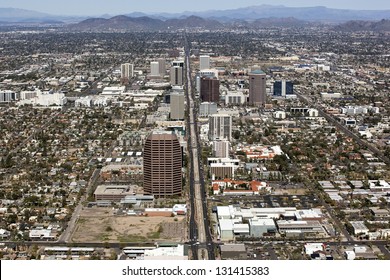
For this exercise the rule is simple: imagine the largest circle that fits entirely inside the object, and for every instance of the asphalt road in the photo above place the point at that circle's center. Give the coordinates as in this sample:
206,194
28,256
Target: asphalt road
201,240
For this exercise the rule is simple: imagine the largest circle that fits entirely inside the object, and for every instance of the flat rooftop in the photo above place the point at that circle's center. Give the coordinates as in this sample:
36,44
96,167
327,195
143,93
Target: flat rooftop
113,189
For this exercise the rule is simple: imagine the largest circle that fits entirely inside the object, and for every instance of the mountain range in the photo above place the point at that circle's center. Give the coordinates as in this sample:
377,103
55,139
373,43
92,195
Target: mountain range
152,24
143,24
12,15
125,23
359,25
316,14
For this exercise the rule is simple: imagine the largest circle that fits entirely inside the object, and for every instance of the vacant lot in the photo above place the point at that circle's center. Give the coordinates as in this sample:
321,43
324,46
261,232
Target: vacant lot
100,225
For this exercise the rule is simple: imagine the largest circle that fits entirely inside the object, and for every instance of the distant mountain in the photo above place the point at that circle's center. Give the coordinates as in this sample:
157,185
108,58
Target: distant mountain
358,25
193,22
143,24
252,13
12,15
117,23
319,14
15,15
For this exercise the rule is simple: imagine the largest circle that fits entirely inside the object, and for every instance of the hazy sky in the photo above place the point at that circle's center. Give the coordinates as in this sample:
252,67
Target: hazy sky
99,7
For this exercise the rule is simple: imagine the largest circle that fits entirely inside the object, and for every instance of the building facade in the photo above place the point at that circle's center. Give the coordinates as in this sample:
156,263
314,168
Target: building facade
177,106
283,88
220,127
257,88
161,66
154,69
207,108
162,165
127,71
221,148
204,62
209,89
176,76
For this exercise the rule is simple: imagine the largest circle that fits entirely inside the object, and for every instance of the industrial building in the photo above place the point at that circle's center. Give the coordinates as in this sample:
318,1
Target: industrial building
234,222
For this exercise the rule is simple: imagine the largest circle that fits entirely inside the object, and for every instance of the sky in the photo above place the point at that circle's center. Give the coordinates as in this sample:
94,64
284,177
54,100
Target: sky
115,7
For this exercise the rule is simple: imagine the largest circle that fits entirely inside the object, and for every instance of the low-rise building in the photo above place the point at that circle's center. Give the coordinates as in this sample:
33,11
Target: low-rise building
359,228
299,228
113,193
233,252
259,227
310,248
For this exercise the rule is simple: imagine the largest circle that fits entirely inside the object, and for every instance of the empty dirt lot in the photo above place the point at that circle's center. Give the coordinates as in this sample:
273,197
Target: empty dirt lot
101,225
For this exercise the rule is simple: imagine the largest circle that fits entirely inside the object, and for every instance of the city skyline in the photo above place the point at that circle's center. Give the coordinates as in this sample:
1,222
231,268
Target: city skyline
115,7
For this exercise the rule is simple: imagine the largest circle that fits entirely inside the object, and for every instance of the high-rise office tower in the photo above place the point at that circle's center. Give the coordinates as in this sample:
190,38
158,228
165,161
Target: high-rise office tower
176,76
257,88
204,62
209,89
177,106
179,63
283,88
220,127
127,72
162,165
154,69
161,66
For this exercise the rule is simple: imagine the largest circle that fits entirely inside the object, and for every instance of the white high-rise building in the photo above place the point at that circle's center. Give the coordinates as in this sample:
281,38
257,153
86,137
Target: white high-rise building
204,62
177,106
127,71
207,108
221,148
220,127
154,69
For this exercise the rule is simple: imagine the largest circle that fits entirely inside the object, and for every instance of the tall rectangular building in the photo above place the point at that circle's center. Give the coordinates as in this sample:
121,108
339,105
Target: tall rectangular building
220,127
221,148
257,88
209,89
161,66
127,72
204,62
176,76
177,106
162,165
207,108
283,88
154,69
